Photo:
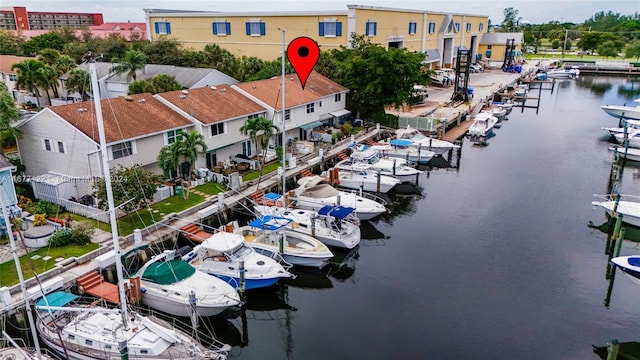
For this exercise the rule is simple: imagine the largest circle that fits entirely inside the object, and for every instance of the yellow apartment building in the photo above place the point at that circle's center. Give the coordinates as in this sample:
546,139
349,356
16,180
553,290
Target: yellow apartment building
436,34
494,45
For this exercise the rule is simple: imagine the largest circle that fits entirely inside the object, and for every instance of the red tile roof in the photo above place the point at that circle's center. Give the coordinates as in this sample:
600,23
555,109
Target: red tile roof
268,91
211,106
123,119
7,61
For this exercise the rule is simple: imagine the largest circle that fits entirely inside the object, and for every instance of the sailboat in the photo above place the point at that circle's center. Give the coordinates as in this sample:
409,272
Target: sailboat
90,332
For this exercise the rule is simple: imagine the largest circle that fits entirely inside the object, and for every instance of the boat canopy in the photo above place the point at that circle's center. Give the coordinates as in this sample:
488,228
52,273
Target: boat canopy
338,212
58,298
400,142
634,261
168,272
222,242
270,222
272,196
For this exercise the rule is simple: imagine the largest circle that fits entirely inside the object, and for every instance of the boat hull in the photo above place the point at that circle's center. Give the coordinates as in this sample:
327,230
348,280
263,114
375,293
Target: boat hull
624,264
629,209
249,284
181,308
620,112
632,154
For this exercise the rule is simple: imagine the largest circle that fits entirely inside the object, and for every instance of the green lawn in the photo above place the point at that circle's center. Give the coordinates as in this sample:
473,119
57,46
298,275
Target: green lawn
9,276
211,188
267,169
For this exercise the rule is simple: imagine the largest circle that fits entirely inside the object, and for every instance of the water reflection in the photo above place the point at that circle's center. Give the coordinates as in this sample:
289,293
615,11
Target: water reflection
309,278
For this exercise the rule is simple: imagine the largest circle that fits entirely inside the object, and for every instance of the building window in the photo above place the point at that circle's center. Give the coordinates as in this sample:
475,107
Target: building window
256,28
457,27
173,136
217,129
468,27
163,27
432,27
47,145
246,148
480,26
311,108
320,103
221,28
488,47
330,28
13,77
413,26
88,342
61,147
121,150
337,97
287,115
253,117
371,28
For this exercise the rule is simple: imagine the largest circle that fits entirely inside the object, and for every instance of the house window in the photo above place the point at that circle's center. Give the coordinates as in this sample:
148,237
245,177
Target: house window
253,117
61,147
457,27
488,47
371,28
468,26
337,97
311,108
221,28
173,136
432,27
47,145
72,337
246,148
480,26
163,27
287,115
121,150
330,28
413,26
320,103
88,342
255,28
107,347
217,129
13,77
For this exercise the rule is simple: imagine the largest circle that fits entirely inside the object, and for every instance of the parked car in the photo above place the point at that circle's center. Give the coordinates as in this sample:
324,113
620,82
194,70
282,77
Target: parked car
475,68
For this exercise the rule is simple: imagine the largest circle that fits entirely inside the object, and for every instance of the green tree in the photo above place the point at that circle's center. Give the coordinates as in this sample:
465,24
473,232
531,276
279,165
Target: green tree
165,51
191,144
169,159
78,81
50,40
221,59
141,87
48,56
48,80
511,20
8,114
130,64
28,75
260,131
11,43
133,188
164,83
555,44
608,49
248,67
632,50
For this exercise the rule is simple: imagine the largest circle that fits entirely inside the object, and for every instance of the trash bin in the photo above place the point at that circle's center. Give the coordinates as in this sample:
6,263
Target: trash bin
177,190
470,91
518,69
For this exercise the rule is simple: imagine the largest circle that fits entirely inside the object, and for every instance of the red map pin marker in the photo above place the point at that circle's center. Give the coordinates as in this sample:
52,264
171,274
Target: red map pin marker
303,53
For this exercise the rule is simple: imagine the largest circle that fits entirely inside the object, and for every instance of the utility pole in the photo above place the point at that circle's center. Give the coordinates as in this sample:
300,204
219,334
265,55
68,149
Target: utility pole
564,46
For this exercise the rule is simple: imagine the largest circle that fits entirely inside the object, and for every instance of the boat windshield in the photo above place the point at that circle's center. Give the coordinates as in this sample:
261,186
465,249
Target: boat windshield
239,253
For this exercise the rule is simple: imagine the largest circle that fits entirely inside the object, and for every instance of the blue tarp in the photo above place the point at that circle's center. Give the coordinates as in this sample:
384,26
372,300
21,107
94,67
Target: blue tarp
635,261
272,196
269,222
401,142
58,298
338,212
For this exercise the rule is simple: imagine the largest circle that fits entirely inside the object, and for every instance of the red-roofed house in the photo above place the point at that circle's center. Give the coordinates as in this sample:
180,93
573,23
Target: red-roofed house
9,76
64,139
322,100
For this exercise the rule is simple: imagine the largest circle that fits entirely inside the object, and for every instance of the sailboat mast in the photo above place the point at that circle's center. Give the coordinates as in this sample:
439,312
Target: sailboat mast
284,131
107,184
16,259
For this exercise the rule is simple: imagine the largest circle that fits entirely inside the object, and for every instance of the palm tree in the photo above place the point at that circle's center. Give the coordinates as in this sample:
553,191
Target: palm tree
263,128
8,115
188,147
48,79
129,64
78,81
28,75
169,158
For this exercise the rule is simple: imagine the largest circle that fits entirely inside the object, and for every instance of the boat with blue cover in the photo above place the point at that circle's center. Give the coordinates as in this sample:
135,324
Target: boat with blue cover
630,265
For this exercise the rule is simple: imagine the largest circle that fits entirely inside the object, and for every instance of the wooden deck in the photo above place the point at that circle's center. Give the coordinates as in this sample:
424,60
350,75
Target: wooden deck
457,131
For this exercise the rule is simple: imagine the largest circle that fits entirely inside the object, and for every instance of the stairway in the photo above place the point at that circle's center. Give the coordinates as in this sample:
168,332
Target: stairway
93,284
193,233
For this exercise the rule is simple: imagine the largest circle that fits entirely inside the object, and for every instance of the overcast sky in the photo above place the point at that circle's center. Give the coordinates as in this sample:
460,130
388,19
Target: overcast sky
536,12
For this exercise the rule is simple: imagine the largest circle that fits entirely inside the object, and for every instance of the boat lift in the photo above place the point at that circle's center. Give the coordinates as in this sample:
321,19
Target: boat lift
462,91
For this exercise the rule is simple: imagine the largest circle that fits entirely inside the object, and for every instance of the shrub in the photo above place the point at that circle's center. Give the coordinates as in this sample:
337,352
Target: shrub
23,202
347,129
81,232
44,207
61,238
39,219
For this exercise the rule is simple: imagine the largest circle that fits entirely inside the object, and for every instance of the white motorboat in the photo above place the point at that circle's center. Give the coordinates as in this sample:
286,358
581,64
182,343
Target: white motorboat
571,73
628,206
630,265
168,283
629,153
406,150
482,124
507,106
363,158
427,142
265,233
20,352
313,194
81,331
631,126
223,252
633,137
496,111
335,226
623,111
443,77
364,179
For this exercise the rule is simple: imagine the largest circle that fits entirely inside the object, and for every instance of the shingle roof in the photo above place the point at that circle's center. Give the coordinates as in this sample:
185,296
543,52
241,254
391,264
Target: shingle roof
500,38
211,106
123,119
7,61
185,76
268,91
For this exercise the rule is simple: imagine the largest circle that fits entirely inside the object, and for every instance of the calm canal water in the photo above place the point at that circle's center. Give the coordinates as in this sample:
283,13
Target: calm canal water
494,260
